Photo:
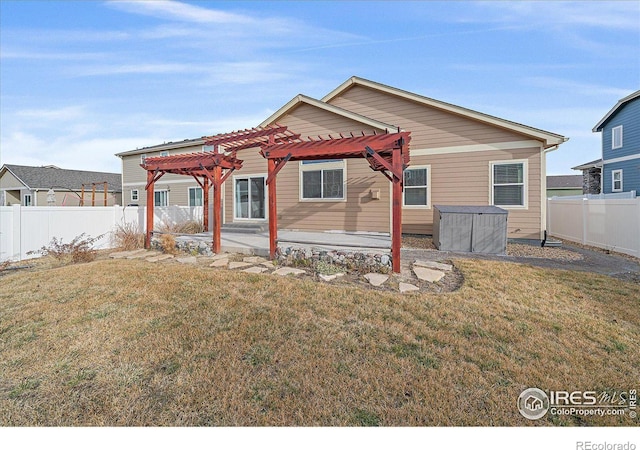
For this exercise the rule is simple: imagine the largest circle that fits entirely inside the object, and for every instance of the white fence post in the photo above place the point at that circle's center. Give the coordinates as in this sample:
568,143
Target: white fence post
17,231
585,220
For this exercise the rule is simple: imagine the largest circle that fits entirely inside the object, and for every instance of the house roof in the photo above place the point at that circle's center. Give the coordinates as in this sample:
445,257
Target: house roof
615,109
164,146
550,139
47,177
564,181
303,99
589,165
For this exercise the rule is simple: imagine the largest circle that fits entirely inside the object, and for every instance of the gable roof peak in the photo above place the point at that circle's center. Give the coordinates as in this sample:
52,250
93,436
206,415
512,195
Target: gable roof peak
549,139
615,109
304,99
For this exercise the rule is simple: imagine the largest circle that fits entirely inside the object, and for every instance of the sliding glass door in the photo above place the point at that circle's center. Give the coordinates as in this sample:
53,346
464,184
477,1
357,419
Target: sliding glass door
250,198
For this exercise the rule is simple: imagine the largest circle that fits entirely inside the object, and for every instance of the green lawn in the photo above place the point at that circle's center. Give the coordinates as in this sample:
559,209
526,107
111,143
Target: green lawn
136,343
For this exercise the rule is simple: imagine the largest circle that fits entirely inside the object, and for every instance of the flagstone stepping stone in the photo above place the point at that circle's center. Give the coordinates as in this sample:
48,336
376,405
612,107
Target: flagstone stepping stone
255,269
268,265
289,271
376,279
143,254
330,277
125,254
222,262
220,256
159,258
187,260
407,287
426,274
433,265
254,259
239,265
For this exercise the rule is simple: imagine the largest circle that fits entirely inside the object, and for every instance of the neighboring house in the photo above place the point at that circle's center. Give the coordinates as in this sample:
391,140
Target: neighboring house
563,185
458,157
52,186
591,176
620,129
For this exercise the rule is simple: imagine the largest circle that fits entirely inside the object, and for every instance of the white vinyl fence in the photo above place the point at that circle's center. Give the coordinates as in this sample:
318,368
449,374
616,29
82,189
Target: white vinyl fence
24,229
611,223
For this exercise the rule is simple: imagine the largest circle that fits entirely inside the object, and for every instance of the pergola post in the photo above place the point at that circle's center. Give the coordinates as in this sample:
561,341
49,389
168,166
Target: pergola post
150,204
396,227
217,207
273,208
205,203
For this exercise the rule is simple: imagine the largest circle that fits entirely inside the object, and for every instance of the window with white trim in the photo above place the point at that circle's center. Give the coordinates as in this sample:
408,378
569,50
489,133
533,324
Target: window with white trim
508,184
416,186
143,158
161,198
164,153
616,180
195,196
134,195
616,137
322,179
26,200
208,148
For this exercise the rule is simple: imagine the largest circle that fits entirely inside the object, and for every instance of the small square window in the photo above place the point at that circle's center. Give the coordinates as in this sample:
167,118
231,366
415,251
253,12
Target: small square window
134,195
616,180
508,184
416,186
161,198
164,153
195,196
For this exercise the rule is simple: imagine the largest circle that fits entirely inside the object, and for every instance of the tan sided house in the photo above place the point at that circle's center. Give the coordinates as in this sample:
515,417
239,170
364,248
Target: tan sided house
53,186
458,157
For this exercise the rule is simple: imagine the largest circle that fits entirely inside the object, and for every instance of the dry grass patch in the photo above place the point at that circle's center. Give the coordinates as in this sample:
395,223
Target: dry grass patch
135,343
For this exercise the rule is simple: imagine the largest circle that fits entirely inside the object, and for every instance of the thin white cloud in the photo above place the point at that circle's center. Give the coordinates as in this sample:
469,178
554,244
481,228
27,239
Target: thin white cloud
116,68
57,56
622,15
578,88
56,114
181,12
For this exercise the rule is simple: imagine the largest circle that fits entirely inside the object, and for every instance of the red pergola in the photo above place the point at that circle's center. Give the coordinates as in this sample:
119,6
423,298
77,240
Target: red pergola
387,153
207,169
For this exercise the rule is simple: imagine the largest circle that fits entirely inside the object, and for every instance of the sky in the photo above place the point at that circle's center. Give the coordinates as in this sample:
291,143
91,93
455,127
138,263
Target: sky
83,80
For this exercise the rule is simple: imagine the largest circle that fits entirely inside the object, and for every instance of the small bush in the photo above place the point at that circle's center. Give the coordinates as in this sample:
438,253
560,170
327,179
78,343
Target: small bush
326,268
127,237
78,250
188,227
168,244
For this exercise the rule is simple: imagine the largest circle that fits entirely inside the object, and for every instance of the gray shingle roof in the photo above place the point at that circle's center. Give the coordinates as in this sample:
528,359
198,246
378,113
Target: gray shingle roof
564,181
53,177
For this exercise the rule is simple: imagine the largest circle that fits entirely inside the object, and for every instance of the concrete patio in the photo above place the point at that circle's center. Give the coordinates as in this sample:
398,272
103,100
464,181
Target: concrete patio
258,243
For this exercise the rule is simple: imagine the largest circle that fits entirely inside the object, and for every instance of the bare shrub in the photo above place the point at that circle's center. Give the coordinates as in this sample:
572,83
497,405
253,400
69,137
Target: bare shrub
187,227
78,250
168,244
191,227
128,237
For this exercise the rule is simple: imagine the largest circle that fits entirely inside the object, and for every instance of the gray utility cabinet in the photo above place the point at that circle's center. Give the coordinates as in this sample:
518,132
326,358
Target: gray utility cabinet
481,229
